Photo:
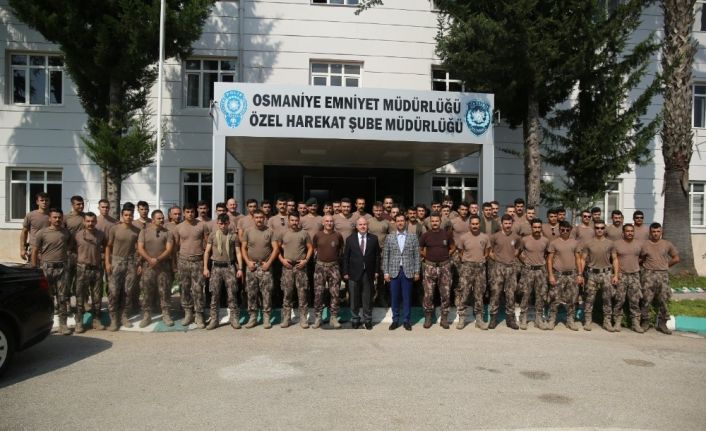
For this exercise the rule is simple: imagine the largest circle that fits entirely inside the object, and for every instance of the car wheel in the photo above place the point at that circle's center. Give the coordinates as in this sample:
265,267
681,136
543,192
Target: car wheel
7,346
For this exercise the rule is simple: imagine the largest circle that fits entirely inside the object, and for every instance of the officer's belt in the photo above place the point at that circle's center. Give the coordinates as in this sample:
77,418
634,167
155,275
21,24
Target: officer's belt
191,258
565,272
598,270
656,270
473,263
220,264
322,263
53,264
534,267
442,263
88,266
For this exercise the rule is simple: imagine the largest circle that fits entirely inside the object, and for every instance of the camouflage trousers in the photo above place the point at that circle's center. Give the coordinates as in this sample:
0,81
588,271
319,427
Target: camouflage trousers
223,274
56,278
593,285
155,281
471,278
565,293
327,274
89,283
259,281
504,281
121,284
439,277
291,278
533,280
655,285
191,283
628,285
71,261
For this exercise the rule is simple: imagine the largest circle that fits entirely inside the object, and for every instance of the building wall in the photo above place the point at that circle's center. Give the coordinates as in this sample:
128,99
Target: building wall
394,43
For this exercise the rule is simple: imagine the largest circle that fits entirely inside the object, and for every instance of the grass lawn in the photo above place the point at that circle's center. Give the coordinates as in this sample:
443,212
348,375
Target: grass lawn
688,281
688,307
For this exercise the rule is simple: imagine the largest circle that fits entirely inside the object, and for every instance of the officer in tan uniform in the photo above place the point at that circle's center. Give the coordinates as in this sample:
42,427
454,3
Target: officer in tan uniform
583,232
33,222
329,246
657,256
379,227
296,250
344,222
565,269
190,237
550,229
52,242
597,255
74,223
614,232
642,231
90,244
533,275
260,249
504,248
474,248
488,223
436,245
155,245
266,208
105,221
627,281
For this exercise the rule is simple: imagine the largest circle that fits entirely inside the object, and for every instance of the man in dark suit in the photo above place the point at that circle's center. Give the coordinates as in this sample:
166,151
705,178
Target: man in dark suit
360,260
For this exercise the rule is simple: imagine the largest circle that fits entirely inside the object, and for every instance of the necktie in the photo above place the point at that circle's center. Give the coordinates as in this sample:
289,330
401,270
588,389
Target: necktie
362,244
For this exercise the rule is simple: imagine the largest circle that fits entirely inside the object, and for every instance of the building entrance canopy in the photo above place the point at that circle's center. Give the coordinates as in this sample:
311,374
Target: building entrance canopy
263,124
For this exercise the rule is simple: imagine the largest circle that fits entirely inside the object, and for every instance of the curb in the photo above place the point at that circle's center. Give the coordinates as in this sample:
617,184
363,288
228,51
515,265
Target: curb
380,315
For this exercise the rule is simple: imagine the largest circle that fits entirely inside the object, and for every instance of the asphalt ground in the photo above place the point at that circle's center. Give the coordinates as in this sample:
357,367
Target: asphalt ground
342,379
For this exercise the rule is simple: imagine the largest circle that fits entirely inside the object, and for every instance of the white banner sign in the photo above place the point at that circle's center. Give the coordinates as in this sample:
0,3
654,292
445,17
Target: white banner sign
262,110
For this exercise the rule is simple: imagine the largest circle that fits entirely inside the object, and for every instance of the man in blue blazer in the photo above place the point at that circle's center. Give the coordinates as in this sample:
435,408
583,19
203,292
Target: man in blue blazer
360,268
400,264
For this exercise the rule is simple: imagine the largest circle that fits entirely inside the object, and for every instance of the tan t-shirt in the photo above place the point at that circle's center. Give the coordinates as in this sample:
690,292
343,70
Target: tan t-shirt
90,246
657,254
294,244
504,246
191,238
533,251
74,222
614,233
311,224
328,246
155,240
459,227
141,224
278,223
226,254
104,225
522,227
597,252
245,223
642,233
344,226
582,233
628,255
379,228
550,232
34,221
259,243
123,239
52,244
473,247
564,254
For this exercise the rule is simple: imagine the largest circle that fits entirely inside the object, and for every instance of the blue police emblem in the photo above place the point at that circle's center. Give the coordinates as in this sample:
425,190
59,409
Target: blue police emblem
234,106
478,116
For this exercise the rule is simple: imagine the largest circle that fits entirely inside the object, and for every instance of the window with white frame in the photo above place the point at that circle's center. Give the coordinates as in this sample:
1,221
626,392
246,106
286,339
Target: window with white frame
612,200
37,79
459,188
441,80
697,194
25,183
337,2
201,74
699,105
335,74
197,185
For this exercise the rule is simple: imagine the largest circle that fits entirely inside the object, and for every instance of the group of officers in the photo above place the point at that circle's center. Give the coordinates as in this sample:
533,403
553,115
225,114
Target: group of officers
462,252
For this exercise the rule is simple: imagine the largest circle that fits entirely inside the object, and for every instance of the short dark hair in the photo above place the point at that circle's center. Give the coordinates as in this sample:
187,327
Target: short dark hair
473,217
506,217
294,214
202,203
435,214
628,225
76,198
564,224
256,212
552,211
400,215
655,225
89,214
189,206
487,205
519,201
616,212
157,211
595,210
142,204
56,210
345,200
128,206
265,202
221,205
41,195
104,201
250,201
223,218
535,220
638,212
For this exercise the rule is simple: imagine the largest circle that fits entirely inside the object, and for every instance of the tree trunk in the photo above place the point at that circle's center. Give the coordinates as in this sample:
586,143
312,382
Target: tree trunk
532,134
113,179
677,138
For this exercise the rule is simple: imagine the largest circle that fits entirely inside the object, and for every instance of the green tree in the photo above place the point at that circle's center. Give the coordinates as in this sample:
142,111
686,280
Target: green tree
602,133
678,53
110,50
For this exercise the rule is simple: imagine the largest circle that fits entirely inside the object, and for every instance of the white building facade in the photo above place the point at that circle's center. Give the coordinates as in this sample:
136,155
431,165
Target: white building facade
292,43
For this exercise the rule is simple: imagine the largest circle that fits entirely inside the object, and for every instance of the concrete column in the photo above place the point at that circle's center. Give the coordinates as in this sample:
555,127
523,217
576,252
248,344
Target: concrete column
487,171
218,167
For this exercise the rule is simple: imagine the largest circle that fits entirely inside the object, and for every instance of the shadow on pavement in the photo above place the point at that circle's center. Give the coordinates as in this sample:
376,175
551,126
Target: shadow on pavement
51,354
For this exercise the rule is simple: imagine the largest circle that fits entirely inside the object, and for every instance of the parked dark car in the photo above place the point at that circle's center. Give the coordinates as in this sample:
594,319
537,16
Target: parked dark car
26,310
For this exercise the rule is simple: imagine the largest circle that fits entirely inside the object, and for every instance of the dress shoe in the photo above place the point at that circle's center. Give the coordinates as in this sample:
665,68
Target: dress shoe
368,325
407,326
355,325
393,326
